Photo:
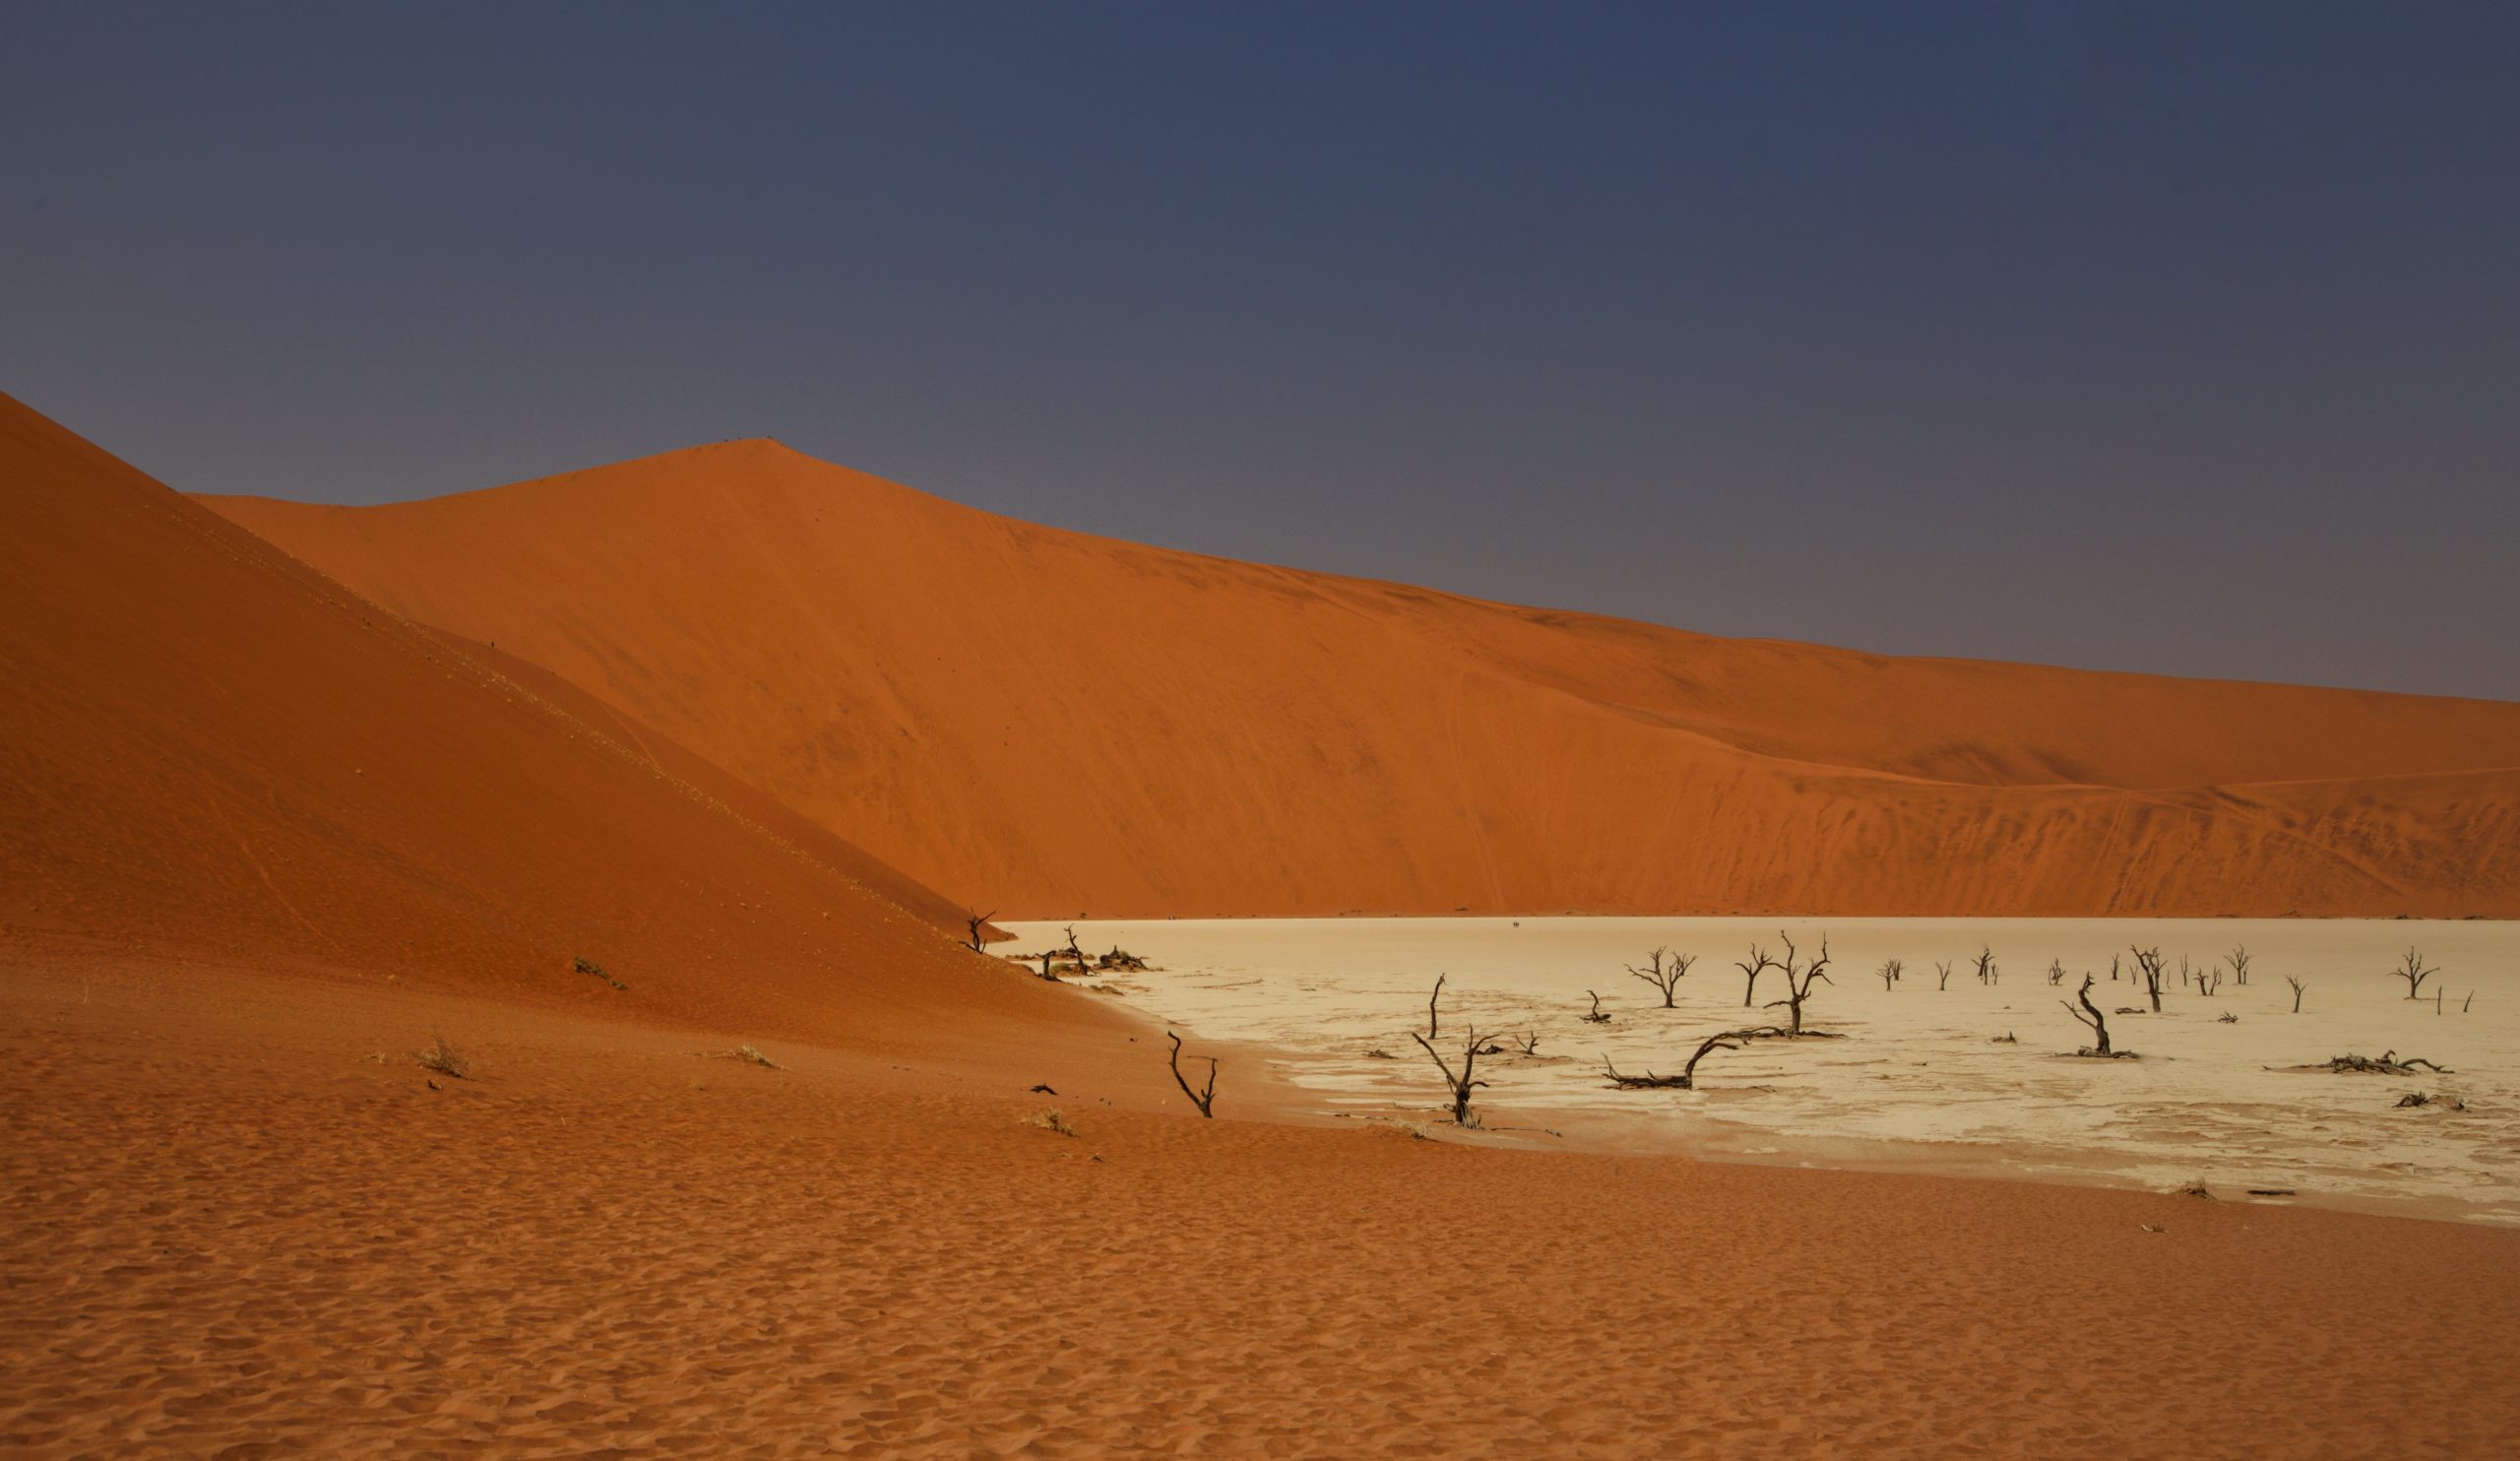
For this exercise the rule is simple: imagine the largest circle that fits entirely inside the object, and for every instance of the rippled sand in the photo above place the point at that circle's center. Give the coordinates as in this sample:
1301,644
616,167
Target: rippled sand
1923,1077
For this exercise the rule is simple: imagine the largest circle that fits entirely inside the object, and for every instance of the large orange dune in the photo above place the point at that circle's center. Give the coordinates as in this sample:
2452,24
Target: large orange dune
212,750
260,835
1046,723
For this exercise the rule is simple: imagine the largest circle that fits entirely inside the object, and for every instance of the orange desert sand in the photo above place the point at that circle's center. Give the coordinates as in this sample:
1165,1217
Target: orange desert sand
1056,724
263,839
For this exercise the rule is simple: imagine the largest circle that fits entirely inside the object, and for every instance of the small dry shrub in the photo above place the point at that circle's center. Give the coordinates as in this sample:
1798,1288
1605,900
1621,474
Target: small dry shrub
444,1059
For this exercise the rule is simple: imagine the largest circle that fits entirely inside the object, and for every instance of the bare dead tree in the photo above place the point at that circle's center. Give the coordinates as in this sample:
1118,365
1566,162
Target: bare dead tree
2090,1015
2414,973
976,922
1431,1003
2055,972
2113,968
1889,972
1205,1100
1987,973
1073,951
1460,1085
1663,976
2468,1003
1799,981
1686,1080
2150,961
2295,981
1596,1017
2239,958
1941,975
2209,981
1754,966
1528,1043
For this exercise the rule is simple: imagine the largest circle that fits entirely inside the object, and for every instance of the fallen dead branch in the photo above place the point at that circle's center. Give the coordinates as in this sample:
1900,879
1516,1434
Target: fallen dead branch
2384,1064
1686,1080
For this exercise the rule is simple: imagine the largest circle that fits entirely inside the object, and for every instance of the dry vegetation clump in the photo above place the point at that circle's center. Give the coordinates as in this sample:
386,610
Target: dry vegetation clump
444,1059
2418,1098
750,1054
584,965
2384,1064
1050,1120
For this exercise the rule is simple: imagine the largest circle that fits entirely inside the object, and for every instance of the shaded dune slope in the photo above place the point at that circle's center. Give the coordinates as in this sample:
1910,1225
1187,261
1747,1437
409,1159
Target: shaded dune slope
1048,723
214,753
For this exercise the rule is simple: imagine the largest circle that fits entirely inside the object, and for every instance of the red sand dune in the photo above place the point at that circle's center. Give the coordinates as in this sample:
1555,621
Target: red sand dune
1047,723
213,751
260,835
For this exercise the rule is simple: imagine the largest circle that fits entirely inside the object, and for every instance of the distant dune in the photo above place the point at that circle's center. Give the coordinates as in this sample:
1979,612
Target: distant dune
1046,723
214,753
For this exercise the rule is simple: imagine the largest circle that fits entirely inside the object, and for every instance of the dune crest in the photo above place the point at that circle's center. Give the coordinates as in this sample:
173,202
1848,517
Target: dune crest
1050,722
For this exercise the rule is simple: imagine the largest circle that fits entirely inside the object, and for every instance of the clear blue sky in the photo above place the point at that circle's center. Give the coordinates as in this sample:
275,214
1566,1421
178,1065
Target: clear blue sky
2182,338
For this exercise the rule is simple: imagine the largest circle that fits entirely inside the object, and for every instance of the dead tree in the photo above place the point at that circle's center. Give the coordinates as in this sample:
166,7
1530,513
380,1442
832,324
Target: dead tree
1461,1085
2090,1015
1799,981
1528,1043
1073,951
2414,973
2208,982
2239,958
1987,973
976,922
2113,968
1889,972
1596,1017
1941,975
1755,965
2150,961
1205,1100
2055,972
1664,977
1686,1080
2295,981
1431,1003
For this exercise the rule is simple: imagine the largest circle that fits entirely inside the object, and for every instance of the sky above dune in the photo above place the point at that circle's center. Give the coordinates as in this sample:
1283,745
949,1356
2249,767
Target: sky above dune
2179,338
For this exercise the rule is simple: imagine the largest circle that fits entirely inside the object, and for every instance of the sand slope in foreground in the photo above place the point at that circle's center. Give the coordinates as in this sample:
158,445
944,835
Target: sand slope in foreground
604,1248
212,749
1050,722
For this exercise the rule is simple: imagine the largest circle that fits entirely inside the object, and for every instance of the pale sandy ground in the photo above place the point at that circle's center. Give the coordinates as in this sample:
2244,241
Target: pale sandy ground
232,1231
1920,1081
